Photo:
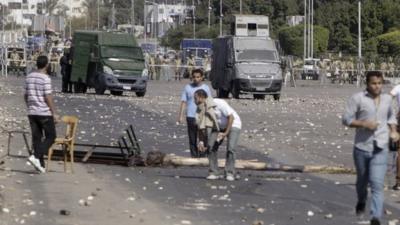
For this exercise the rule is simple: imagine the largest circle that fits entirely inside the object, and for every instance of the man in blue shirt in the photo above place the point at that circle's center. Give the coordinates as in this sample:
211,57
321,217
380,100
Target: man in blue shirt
187,101
370,112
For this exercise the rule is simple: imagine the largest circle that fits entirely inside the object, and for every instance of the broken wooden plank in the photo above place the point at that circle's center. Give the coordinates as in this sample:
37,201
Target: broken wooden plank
173,160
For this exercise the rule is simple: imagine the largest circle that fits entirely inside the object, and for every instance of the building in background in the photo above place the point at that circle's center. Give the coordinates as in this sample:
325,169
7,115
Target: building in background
75,7
161,17
294,20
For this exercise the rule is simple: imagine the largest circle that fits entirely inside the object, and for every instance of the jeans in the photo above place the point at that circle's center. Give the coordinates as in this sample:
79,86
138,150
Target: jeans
398,167
371,169
43,135
213,146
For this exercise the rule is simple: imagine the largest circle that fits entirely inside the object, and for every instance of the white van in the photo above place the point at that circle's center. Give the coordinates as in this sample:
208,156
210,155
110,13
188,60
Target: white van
310,69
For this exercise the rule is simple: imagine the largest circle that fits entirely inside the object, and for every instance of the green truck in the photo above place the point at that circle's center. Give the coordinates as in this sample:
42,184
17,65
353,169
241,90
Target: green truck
108,61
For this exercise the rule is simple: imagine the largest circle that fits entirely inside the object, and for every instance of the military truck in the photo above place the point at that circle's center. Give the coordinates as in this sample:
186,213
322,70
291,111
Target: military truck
248,62
108,61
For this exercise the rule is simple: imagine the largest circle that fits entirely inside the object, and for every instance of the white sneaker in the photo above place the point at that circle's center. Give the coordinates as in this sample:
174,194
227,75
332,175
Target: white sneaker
230,177
212,177
36,163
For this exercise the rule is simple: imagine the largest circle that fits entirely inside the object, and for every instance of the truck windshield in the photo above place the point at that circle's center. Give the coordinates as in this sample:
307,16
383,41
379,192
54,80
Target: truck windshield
121,52
255,54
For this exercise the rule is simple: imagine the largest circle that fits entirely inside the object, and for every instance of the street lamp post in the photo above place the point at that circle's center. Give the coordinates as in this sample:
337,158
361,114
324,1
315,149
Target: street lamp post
359,45
144,22
70,19
209,14
312,29
305,30
2,39
133,16
98,14
194,19
220,18
309,29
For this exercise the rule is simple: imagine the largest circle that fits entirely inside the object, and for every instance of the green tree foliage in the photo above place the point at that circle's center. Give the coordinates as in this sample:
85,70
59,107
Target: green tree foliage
174,37
389,44
291,40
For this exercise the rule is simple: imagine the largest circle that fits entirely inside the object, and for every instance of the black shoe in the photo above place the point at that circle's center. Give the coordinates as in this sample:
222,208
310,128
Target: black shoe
360,208
396,187
375,221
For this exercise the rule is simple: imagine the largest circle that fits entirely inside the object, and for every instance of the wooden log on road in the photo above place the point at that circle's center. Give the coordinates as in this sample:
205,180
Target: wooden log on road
173,160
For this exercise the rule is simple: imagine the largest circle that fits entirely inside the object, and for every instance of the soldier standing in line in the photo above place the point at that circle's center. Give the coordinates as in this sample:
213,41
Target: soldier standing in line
15,61
178,64
152,69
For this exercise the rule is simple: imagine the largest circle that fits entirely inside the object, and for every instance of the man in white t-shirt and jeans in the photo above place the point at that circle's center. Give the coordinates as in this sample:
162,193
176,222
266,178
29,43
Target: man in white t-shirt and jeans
41,112
395,92
229,126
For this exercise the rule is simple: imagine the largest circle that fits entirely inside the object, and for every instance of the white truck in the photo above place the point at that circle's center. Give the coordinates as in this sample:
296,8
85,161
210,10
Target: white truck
248,62
310,69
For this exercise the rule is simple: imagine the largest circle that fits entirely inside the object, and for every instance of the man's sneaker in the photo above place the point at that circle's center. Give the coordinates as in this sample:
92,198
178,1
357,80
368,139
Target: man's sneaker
35,163
360,208
396,187
230,177
212,177
375,221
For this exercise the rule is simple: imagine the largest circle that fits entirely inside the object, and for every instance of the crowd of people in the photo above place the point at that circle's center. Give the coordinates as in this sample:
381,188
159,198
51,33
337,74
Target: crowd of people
172,67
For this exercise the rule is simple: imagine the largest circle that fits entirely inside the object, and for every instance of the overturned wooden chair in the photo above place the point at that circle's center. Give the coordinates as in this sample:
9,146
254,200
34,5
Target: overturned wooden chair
67,142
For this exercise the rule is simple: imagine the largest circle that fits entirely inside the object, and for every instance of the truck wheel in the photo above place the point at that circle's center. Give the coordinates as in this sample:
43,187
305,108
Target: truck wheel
83,88
140,94
221,93
99,86
117,93
235,90
100,90
259,96
77,87
277,97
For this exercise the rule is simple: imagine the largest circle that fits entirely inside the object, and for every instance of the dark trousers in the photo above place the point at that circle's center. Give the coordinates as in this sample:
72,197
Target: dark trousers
192,133
66,83
43,135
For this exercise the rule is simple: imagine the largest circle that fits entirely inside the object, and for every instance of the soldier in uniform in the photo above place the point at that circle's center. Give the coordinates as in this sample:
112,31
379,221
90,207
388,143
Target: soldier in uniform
190,63
384,68
391,67
15,61
371,66
152,69
178,64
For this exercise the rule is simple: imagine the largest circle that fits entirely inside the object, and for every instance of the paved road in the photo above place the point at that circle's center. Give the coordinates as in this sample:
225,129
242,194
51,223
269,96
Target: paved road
303,128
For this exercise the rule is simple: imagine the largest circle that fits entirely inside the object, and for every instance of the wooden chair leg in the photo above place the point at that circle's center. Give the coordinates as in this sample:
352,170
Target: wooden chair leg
65,149
71,153
49,155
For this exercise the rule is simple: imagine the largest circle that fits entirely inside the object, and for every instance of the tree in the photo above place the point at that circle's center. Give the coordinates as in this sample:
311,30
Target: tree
51,6
173,37
291,40
389,44
91,9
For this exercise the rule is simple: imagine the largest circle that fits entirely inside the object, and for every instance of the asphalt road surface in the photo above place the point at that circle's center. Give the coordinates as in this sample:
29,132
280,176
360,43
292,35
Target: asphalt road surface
304,128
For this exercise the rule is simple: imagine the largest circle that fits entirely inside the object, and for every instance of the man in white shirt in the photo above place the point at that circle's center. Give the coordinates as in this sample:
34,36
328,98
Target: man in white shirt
229,125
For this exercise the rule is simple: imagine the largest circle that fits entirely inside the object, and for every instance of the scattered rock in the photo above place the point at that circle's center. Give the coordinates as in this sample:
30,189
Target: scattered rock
258,222
65,212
